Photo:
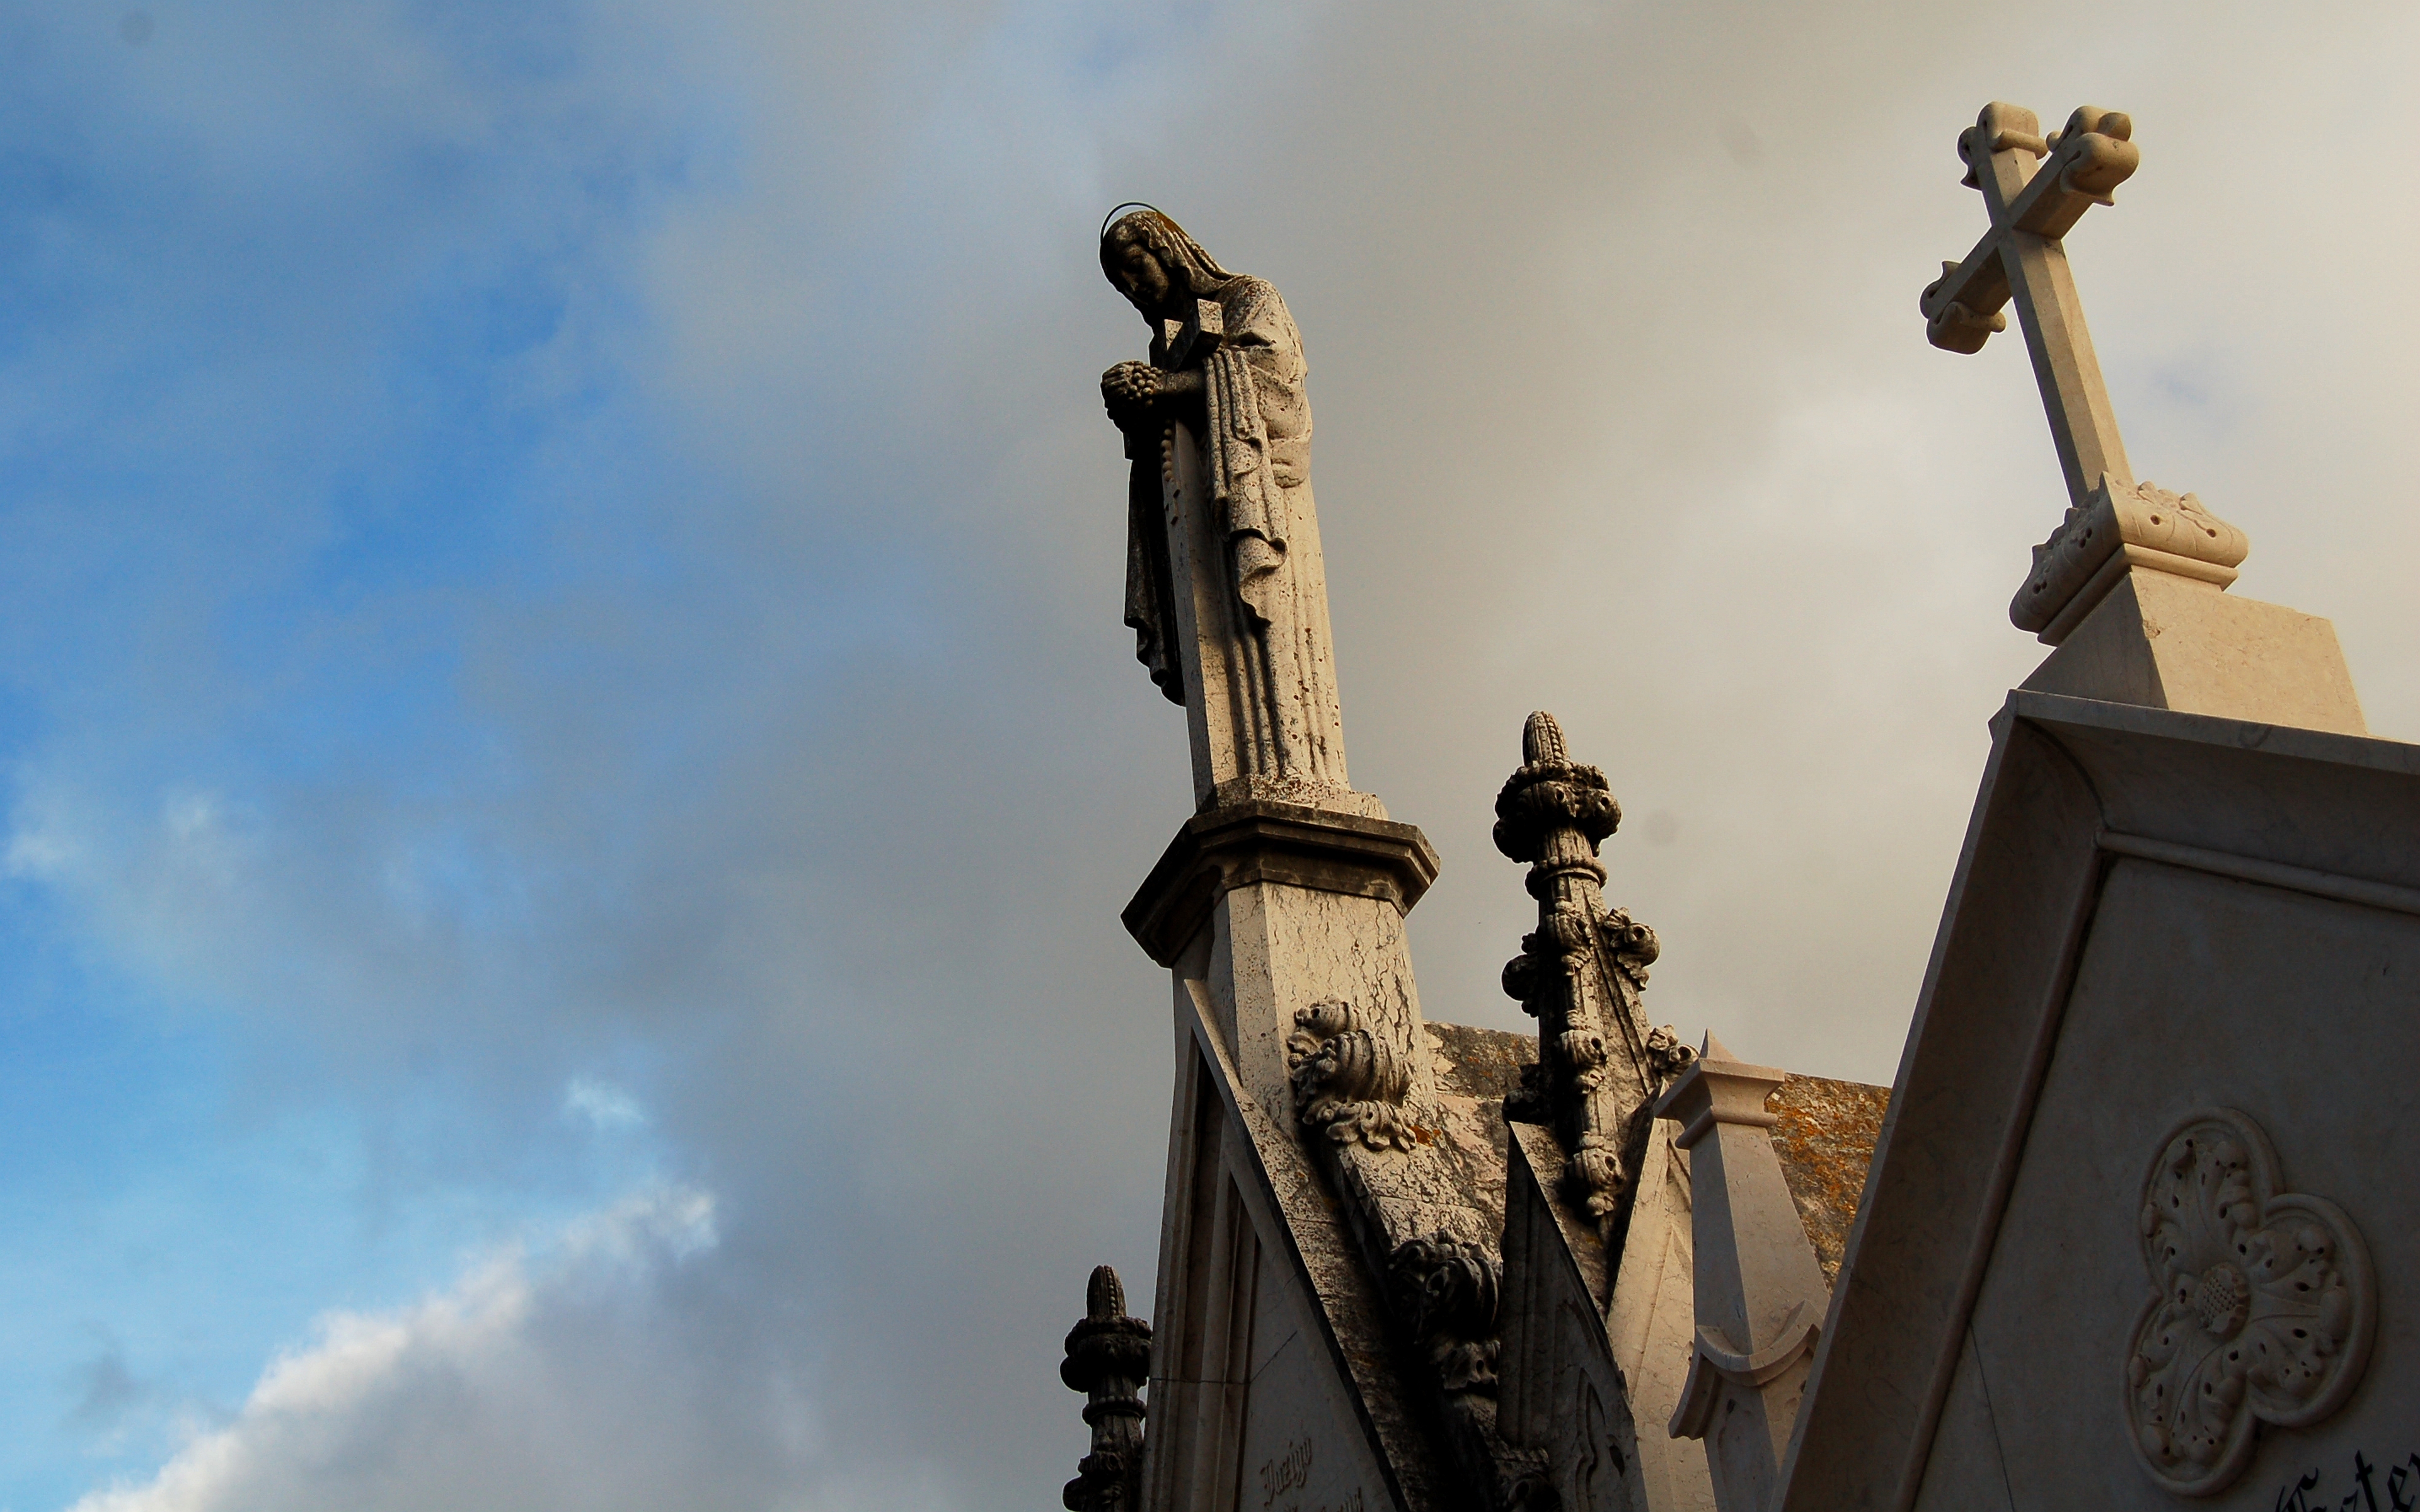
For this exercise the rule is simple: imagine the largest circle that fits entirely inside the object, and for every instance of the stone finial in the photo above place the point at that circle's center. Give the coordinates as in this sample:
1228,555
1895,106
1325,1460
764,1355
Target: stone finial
1581,973
1761,1297
1551,797
1108,1359
1541,739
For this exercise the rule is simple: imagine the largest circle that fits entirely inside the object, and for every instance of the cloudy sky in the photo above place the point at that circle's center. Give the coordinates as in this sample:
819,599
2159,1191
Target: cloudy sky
567,760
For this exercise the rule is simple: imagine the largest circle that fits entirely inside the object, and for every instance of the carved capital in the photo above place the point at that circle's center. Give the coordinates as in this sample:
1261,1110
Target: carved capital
1717,1089
2122,525
1265,841
2261,1310
1348,1082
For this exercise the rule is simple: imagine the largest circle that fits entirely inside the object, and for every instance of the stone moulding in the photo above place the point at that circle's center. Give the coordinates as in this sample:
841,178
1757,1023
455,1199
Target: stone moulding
1716,1362
1263,842
2122,525
2262,1305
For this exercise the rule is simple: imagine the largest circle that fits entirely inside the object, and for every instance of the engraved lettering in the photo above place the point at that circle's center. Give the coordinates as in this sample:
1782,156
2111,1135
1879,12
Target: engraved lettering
1290,1470
2402,1488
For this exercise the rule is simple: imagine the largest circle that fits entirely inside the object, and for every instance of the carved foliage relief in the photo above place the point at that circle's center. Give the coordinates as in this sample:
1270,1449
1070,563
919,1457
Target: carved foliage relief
1348,1080
2261,1310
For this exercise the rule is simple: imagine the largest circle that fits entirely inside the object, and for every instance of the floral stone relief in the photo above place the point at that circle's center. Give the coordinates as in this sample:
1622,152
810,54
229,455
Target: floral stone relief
2261,1310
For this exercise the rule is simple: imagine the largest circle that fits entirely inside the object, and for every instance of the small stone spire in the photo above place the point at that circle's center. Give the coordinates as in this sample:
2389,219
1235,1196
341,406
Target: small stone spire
1583,972
1759,1293
1108,1358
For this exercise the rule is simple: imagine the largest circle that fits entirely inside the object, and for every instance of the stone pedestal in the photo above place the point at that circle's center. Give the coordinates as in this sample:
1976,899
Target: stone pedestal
2165,642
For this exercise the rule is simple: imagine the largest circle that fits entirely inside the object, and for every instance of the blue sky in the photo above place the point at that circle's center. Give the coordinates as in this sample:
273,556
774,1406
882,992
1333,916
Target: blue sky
568,761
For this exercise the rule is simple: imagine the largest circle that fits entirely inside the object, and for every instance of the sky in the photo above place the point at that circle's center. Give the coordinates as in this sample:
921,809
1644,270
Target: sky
567,760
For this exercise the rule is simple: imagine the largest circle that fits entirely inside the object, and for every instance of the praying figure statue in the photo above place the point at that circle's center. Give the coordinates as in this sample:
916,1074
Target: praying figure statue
1225,589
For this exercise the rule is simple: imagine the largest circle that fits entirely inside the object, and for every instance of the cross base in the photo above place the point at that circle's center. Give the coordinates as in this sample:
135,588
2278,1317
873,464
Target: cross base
2121,525
2165,642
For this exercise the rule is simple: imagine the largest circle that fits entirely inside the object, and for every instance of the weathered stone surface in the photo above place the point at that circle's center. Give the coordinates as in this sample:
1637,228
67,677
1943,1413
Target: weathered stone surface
1563,1342
1582,973
2156,914
1226,588
1825,1131
1271,1329
1361,855
1331,1320
1562,1394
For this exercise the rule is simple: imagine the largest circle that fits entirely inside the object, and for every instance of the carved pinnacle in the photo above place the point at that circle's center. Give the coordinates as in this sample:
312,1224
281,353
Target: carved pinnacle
1108,1358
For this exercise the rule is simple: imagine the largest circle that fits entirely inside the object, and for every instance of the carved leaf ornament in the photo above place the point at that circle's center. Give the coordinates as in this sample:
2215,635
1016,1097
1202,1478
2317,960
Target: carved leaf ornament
2262,1305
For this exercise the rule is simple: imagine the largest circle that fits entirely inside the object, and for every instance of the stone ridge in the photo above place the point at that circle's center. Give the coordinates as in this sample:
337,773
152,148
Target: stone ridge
1825,1138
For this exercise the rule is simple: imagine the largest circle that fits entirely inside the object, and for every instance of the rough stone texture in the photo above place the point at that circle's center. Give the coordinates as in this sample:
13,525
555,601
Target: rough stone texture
1825,1137
1482,1064
1475,1070
1562,1394
1581,973
1365,855
1272,1334
1226,589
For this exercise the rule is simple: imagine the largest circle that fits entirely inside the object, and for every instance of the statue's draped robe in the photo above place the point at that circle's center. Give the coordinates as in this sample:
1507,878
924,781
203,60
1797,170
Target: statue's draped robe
1254,456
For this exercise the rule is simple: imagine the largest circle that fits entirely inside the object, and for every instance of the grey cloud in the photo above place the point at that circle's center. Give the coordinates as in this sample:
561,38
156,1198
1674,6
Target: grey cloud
834,810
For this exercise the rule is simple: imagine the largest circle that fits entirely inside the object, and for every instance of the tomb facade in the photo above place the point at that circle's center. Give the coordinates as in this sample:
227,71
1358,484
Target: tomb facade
2130,1229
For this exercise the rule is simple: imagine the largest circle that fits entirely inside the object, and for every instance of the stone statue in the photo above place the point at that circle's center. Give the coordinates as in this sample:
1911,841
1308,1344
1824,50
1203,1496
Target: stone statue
1225,590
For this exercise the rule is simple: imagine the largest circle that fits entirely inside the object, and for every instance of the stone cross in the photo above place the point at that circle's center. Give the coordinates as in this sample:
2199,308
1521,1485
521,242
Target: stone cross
2037,187
2033,202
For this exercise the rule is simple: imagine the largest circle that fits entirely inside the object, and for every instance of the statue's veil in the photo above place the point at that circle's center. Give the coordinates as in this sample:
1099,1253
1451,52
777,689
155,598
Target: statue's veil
1153,226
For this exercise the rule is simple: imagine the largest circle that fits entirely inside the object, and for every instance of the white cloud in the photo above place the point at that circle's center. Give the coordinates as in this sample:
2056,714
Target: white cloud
601,1105
493,1394
814,763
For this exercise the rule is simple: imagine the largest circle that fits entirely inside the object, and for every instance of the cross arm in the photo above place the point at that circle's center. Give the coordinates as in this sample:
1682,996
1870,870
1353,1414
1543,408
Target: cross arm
2086,163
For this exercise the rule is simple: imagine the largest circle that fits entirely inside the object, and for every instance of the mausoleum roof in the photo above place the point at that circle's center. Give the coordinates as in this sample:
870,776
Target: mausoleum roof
1825,1137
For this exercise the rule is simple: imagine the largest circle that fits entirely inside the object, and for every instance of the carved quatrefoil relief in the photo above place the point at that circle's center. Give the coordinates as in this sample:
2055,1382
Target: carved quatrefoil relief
2261,1307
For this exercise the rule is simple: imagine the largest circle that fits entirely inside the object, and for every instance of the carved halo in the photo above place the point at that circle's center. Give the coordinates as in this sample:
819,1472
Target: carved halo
2262,1305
